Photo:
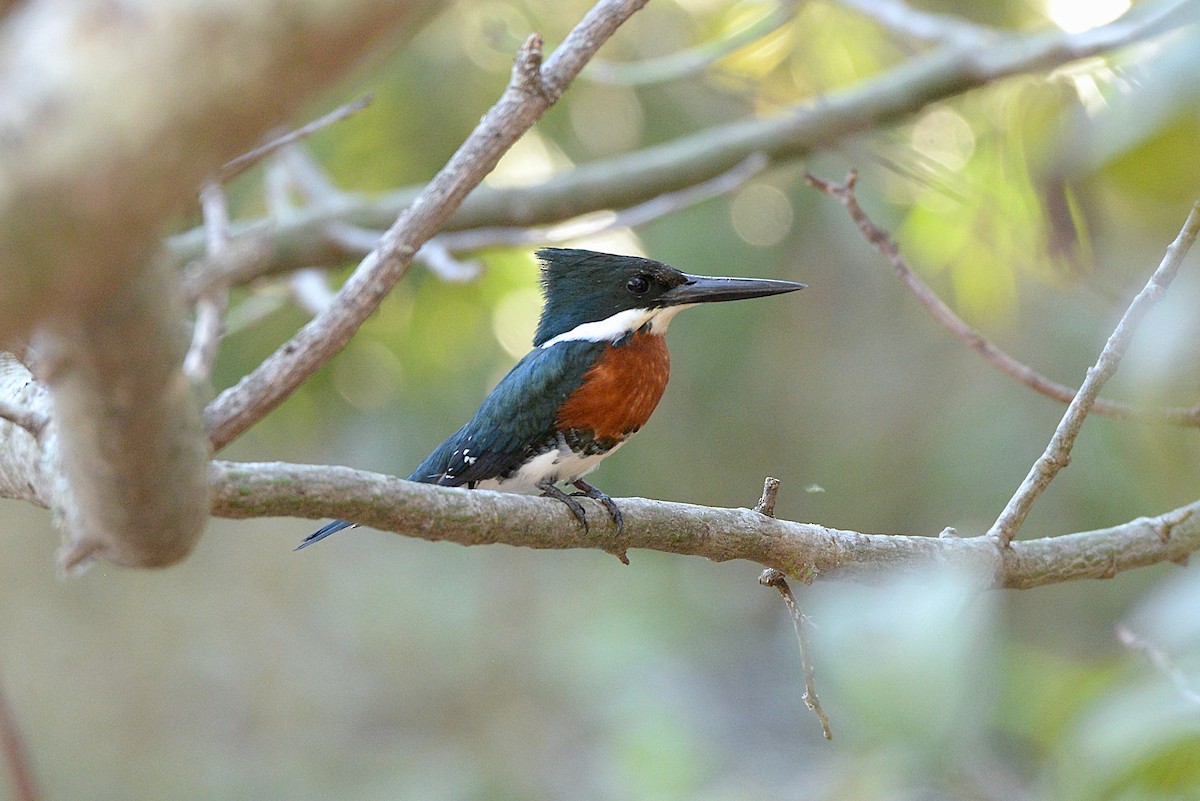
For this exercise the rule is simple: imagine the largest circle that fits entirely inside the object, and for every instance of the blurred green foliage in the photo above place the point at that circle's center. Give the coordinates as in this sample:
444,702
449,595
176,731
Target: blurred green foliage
381,667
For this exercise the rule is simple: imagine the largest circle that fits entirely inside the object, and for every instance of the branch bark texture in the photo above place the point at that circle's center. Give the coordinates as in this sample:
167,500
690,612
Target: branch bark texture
805,551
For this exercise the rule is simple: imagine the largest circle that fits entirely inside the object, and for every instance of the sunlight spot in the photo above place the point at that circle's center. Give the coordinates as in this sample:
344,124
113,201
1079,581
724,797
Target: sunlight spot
761,215
1074,16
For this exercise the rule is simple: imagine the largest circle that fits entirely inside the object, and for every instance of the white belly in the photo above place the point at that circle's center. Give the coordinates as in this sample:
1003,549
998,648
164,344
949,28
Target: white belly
556,464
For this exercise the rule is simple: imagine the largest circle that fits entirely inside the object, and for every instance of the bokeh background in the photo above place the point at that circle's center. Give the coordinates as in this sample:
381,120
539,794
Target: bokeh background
377,666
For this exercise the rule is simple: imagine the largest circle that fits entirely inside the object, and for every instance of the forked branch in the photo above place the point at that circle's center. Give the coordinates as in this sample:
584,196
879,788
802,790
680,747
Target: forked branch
882,241
534,87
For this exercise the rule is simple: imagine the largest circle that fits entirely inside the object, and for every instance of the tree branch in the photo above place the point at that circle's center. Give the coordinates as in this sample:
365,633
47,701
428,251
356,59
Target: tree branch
1135,642
803,550
16,754
773,578
236,166
25,471
882,241
212,304
1058,451
116,136
630,179
436,253
532,90
31,420
108,128
130,442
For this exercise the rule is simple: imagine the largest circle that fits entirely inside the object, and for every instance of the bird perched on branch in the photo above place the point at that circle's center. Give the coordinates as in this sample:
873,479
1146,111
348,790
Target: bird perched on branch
597,369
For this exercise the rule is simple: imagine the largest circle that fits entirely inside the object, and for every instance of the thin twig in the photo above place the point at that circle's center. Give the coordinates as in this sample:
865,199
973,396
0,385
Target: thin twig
441,261
310,289
437,253
309,176
212,304
773,578
277,183
353,238
1135,642
531,91
766,503
309,286
239,165
1058,451
998,358
16,755
589,225
31,420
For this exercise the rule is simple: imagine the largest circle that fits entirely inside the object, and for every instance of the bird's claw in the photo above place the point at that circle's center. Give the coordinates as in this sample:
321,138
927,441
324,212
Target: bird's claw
587,490
550,491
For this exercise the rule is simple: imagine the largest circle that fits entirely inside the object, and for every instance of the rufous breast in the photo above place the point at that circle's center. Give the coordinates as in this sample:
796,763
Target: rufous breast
619,393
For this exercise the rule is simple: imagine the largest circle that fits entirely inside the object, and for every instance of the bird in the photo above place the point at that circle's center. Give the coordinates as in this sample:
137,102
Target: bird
598,367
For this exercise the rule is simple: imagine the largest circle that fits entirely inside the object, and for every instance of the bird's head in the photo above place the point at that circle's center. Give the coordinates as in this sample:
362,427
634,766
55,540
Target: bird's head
602,296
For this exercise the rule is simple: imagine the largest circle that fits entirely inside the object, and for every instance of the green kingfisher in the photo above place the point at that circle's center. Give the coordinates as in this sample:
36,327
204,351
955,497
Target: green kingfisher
598,367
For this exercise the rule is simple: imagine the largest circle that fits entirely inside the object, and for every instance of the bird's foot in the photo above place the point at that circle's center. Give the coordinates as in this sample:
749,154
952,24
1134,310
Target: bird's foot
589,491
550,491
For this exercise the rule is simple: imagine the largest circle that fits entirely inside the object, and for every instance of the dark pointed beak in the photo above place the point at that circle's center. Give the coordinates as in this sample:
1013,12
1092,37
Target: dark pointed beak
703,289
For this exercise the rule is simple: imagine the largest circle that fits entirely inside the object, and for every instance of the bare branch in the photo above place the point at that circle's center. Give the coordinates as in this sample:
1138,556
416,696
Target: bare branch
235,167
653,209
108,125
1135,642
632,178
16,755
994,355
531,91
1058,452
25,471
805,551
30,419
437,252
773,578
311,290
129,438
435,255
766,503
211,305
115,135
310,177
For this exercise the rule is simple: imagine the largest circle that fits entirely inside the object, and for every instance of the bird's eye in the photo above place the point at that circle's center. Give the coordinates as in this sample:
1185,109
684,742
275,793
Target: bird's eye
638,285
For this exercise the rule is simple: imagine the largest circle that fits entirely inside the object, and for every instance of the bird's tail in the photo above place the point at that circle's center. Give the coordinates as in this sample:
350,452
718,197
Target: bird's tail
323,532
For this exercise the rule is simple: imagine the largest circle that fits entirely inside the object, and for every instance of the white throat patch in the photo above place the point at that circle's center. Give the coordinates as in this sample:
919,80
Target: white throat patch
621,324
